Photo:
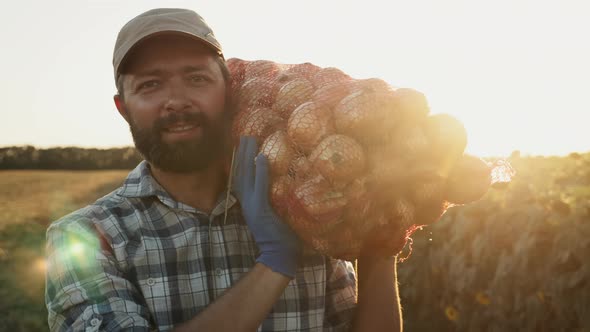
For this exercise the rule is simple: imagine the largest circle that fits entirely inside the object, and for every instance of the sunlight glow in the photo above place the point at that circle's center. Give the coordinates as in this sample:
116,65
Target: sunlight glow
40,265
515,73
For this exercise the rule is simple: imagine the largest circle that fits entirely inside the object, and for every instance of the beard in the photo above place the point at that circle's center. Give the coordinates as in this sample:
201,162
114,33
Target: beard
185,156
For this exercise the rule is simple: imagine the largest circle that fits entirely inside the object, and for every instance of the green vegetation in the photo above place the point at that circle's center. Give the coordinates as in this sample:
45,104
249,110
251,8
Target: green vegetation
29,201
22,278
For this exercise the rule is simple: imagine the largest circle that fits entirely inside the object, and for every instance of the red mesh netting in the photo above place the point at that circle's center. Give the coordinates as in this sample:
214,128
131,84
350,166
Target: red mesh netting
356,164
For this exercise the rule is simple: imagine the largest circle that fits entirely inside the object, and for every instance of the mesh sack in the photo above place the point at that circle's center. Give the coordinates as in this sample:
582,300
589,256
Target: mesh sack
357,165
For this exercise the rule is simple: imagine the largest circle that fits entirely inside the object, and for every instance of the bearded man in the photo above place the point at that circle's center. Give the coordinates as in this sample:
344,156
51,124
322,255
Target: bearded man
173,248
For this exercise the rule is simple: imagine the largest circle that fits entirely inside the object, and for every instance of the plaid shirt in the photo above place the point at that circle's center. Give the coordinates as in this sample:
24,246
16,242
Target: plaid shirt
138,260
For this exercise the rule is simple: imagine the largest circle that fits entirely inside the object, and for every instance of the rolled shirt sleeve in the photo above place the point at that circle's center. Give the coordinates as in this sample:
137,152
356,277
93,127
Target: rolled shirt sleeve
85,288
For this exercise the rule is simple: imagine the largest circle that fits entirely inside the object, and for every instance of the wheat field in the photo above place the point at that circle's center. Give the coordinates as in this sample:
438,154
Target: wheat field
29,201
513,261
44,196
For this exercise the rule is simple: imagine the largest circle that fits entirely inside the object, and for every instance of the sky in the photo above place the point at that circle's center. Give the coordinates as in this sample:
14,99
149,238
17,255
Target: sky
515,73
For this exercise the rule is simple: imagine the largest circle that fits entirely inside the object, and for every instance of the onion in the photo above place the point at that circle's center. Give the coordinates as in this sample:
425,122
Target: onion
277,149
308,124
329,75
308,227
428,189
330,94
404,212
411,142
375,85
448,137
263,69
362,211
291,95
255,92
385,240
279,193
338,158
411,104
301,168
341,243
259,123
468,181
307,70
367,117
283,78
428,195
389,238
315,206
360,202
388,177
238,123
236,65
237,69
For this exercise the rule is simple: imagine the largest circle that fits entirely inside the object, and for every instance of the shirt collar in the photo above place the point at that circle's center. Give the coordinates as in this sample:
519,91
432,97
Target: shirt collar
141,183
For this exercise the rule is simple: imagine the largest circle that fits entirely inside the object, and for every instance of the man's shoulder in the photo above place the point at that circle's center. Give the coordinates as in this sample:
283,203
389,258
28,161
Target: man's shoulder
107,208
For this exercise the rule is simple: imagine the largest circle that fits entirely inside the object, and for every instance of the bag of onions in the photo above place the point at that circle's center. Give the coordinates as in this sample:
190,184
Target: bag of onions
356,164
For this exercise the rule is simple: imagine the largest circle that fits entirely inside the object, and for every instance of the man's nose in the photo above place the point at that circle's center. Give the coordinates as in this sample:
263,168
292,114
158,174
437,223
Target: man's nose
177,98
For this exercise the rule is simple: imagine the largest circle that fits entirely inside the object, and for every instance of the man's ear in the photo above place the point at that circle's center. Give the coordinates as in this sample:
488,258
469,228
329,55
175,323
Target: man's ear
121,107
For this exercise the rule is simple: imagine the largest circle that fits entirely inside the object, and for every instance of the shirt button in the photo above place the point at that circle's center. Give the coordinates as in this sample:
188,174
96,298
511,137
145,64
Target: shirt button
94,322
151,282
218,272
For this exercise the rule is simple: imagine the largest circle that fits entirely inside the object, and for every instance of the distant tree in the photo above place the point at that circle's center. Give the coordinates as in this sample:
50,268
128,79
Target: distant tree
73,158
575,155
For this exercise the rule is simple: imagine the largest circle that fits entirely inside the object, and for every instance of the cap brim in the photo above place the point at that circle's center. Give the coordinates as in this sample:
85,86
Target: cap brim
126,51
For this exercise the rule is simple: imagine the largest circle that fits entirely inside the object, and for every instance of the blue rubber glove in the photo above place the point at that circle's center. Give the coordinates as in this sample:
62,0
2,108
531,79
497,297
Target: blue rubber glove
280,249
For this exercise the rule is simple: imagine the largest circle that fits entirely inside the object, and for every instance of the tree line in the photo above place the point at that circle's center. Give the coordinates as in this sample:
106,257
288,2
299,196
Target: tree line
68,158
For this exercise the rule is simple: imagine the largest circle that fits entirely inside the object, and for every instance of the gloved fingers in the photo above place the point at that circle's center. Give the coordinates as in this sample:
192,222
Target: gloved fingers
245,163
234,169
238,163
261,186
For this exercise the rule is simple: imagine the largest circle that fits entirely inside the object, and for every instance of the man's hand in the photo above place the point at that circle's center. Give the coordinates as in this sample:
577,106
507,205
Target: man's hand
280,248
251,299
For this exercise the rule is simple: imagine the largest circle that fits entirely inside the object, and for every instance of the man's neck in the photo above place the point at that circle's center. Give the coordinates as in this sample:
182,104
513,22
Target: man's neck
200,189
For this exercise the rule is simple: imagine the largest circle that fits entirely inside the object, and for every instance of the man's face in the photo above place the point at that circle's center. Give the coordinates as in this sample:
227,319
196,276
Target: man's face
174,102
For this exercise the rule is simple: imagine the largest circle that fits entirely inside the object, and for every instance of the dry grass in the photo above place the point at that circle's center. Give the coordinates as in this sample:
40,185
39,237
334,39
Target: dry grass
29,201
44,196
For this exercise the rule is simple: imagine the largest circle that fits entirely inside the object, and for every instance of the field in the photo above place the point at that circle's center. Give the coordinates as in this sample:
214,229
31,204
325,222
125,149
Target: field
29,201
43,196
513,261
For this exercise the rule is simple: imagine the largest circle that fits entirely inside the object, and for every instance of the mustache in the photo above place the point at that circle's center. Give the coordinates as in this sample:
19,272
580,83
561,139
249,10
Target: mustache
190,118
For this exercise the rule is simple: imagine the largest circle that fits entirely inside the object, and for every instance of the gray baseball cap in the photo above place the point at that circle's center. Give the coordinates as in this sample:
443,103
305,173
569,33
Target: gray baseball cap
160,20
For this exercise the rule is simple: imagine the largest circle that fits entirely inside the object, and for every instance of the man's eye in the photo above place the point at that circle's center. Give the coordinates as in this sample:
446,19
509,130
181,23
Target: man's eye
198,78
148,84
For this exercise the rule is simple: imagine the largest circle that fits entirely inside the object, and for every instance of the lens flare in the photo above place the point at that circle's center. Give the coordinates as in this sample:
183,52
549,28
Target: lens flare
40,265
77,249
